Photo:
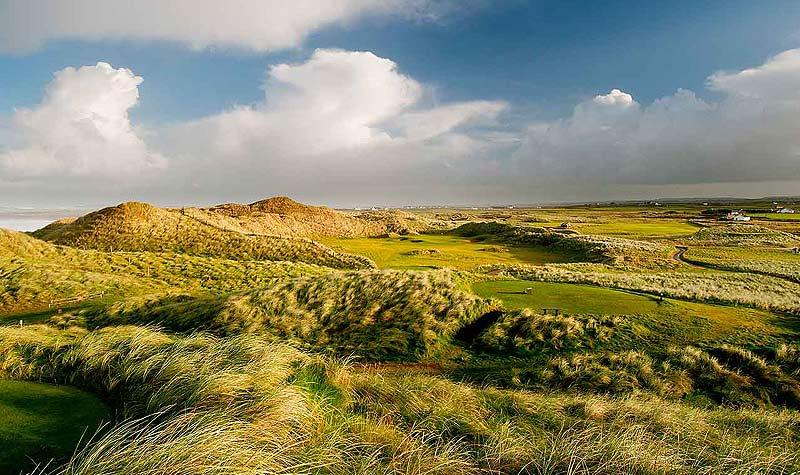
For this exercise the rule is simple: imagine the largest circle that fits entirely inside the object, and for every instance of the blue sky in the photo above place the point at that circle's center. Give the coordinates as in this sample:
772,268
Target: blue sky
540,55
539,59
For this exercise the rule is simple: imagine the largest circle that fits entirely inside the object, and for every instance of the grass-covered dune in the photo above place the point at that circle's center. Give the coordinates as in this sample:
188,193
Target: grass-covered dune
609,250
574,352
34,273
241,405
143,227
377,315
282,216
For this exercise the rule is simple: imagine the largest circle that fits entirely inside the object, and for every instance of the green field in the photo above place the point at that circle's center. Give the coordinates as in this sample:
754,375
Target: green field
454,252
664,322
40,422
640,229
778,216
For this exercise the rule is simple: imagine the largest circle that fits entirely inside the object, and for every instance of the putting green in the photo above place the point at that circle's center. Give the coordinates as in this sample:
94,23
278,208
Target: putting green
641,229
40,422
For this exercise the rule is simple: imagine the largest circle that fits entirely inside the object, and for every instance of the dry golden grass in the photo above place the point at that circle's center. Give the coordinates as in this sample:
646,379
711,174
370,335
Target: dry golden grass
137,227
241,405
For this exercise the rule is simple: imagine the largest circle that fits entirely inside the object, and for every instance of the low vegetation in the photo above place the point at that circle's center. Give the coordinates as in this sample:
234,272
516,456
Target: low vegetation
206,405
376,315
758,291
137,227
260,338
33,425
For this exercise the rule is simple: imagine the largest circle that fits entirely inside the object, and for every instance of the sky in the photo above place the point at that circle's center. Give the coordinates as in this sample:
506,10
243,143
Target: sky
396,102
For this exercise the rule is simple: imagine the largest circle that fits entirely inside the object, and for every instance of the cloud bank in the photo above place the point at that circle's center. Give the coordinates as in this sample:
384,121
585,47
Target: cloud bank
750,135
257,25
350,127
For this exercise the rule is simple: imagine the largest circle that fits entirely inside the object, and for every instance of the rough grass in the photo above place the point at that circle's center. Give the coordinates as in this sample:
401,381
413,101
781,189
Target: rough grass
33,273
141,227
377,315
204,405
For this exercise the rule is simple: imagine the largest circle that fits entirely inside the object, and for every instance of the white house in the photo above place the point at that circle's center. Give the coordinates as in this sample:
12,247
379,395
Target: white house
736,216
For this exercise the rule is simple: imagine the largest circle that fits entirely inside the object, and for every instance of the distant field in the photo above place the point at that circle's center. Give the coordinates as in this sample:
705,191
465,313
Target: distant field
42,421
640,230
778,216
670,321
409,252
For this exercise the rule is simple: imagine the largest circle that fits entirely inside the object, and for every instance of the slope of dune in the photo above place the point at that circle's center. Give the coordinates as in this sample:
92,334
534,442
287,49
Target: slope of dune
142,227
282,216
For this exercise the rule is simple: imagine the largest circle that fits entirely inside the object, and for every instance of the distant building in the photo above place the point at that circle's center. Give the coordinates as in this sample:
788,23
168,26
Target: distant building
736,216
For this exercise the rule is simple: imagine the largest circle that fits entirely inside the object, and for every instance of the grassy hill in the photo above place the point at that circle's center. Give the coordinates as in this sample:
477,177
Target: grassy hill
34,273
282,216
605,249
142,227
377,315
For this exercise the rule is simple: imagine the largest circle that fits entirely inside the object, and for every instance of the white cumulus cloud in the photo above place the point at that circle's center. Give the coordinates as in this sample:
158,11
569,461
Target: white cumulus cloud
348,110
81,128
351,127
750,135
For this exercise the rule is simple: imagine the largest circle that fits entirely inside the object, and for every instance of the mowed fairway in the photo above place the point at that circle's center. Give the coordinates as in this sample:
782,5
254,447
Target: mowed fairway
639,229
438,251
659,322
570,298
39,422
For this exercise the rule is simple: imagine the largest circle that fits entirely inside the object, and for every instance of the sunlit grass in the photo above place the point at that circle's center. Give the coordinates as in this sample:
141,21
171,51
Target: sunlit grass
456,252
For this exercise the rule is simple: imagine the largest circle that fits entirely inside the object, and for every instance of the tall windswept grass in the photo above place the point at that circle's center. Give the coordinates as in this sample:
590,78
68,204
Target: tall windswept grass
239,405
525,332
377,315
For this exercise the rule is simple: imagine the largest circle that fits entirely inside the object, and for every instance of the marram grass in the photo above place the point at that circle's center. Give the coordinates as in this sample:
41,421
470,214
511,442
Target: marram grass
240,405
